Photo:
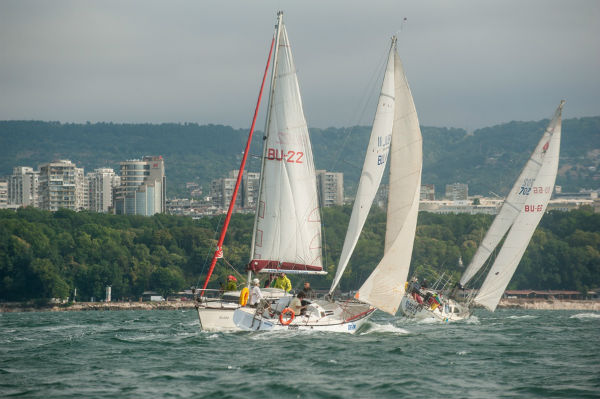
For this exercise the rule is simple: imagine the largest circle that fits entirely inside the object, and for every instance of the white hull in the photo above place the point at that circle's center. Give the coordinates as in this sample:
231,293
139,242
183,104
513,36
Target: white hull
318,318
449,311
217,314
216,319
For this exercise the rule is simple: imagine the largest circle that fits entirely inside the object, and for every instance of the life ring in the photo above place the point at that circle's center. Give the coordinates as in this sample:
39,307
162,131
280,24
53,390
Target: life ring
244,296
288,321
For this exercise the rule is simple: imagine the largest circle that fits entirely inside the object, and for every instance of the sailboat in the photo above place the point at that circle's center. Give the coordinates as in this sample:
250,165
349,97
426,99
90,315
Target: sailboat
395,138
519,215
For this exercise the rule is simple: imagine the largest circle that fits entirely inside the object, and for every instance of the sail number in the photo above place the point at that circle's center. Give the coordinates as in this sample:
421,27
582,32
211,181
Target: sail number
534,208
275,154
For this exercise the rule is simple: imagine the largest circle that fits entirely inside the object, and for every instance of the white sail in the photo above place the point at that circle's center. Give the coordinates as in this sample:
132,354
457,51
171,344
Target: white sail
385,286
287,232
511,207
529,216
373,168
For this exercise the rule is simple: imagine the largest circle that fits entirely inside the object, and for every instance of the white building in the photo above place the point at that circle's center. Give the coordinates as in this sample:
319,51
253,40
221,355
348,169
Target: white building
101,184
142,188
3,193
23,186
60,186
330,186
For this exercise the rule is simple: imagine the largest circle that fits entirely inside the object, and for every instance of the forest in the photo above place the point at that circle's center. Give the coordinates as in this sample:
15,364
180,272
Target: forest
488,159
48,255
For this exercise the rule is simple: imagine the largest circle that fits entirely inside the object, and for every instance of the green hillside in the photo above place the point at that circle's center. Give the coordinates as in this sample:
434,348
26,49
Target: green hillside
489,159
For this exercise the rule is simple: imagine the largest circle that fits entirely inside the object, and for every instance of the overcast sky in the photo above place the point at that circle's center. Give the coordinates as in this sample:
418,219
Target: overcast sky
469,63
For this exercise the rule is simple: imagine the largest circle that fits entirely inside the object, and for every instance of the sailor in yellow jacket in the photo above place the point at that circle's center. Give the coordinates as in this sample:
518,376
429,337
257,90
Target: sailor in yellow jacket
283,282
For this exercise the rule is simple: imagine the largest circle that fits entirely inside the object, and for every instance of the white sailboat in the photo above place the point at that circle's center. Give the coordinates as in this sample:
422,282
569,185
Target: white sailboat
396,138
287,227
521,212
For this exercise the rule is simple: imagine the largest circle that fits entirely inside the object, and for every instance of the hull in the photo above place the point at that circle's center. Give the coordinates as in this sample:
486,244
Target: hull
321,316
216,315
216,319
449,311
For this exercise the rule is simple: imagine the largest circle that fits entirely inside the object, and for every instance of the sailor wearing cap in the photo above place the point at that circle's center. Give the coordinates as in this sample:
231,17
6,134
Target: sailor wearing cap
255,294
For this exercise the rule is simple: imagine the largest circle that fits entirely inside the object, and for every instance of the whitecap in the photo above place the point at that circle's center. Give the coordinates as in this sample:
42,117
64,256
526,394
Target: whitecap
522,317
462,353
585,316
385,328
472,320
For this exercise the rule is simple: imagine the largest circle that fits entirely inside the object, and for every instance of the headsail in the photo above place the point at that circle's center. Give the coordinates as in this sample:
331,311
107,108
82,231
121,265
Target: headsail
385,286
531,212
513,204
287,233
373,168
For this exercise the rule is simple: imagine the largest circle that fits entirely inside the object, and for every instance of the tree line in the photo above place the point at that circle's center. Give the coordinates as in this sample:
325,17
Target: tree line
48,255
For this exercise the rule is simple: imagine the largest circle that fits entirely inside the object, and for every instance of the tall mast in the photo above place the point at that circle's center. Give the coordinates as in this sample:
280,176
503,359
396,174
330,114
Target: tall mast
219,251
266,131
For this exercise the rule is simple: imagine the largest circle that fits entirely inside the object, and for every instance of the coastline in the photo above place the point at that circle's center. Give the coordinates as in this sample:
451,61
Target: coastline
549,304
9,307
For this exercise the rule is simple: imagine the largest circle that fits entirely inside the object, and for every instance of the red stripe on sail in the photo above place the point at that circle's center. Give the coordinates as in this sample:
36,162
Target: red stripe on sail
258,264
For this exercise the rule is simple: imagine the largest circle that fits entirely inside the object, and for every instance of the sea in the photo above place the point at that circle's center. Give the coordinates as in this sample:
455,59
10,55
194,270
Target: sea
163,354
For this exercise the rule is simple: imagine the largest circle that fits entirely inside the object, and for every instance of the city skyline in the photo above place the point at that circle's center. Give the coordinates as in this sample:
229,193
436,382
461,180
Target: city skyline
469,64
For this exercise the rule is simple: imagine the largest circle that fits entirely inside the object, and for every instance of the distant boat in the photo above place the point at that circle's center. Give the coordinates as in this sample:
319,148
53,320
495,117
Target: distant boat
520,214
395,133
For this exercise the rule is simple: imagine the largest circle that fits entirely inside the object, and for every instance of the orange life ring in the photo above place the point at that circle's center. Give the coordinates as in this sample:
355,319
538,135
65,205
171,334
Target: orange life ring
288,321
244,296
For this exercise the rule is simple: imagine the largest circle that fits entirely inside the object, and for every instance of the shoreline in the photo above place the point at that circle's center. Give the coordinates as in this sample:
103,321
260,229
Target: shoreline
11,307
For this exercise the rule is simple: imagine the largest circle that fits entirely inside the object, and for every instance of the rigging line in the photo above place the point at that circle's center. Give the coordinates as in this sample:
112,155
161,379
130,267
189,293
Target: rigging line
209,253
369,91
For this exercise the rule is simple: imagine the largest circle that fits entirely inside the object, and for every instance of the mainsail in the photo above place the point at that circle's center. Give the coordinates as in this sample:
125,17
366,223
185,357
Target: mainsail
513,204
373,168
385,286
539,189
287,233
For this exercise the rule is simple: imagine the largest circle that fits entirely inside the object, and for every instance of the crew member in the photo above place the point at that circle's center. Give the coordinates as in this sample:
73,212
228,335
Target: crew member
255,293
308,292
296,304
231,283
283,282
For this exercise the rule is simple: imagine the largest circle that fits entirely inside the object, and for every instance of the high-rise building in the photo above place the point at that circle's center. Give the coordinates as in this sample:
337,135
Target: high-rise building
142,188
60,186
457,191
101,183
23,186
221,190
3,193
330,186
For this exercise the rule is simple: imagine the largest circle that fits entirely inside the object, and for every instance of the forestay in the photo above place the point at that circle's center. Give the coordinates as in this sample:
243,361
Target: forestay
385,286
287,232
538,191
373,168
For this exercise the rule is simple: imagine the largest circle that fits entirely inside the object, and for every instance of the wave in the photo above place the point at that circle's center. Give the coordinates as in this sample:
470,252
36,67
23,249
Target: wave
385,328
522,317
585,316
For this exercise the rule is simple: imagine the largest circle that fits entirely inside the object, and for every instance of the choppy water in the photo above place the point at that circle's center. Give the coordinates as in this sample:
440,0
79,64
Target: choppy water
508,354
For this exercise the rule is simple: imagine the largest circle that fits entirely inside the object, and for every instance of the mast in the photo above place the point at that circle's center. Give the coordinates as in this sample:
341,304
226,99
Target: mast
266,131
219,251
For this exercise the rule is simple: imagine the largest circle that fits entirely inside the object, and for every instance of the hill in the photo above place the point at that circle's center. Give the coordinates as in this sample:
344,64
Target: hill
489,159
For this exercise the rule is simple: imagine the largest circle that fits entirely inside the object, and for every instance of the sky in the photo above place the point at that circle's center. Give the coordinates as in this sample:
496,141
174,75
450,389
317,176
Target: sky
470,64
